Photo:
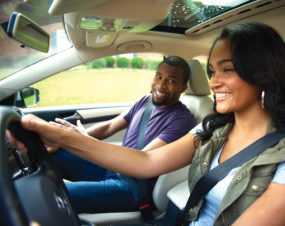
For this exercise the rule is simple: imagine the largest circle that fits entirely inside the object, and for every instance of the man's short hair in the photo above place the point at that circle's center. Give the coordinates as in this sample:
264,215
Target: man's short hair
178,62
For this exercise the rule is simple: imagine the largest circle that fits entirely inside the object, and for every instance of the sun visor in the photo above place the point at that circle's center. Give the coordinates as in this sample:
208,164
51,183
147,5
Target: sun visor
100,21
125,9
102,31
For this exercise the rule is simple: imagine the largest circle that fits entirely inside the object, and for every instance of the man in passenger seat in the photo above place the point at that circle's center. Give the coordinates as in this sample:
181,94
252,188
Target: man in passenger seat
95,189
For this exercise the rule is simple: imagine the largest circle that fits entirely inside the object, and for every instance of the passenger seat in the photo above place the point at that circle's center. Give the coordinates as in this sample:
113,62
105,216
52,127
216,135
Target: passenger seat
197,99
197,96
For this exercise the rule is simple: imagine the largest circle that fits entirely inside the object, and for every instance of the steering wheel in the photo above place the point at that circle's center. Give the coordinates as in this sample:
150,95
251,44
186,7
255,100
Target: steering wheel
37,196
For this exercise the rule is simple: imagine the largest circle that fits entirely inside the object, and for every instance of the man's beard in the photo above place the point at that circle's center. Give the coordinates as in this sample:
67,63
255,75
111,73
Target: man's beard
164,102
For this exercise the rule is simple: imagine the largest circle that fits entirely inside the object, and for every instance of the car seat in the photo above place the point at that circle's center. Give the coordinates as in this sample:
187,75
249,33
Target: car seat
197,96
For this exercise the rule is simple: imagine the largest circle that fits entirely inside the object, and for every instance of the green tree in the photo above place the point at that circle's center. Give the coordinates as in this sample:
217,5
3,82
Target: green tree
97,64
122,62
151,64
137,62
110,61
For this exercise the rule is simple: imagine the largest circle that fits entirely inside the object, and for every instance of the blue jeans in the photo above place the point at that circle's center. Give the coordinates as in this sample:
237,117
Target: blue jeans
94,189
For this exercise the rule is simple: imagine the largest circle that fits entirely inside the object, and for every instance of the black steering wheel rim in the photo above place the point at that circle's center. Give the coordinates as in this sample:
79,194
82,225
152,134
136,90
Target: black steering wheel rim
40,196
8,194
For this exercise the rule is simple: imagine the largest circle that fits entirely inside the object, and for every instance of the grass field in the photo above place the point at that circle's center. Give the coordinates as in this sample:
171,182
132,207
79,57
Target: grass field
82,86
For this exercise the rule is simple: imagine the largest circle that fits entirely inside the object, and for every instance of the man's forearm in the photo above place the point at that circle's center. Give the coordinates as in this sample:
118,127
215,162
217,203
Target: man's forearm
99,130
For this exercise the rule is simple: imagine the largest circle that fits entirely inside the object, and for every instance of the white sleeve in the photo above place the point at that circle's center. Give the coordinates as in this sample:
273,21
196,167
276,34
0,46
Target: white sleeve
279,176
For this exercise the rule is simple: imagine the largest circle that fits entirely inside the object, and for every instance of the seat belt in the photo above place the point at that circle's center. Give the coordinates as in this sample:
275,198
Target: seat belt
143,123
175,217
145,206
208,181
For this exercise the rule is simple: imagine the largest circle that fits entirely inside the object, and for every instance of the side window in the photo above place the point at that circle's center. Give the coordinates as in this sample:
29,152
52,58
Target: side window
113,79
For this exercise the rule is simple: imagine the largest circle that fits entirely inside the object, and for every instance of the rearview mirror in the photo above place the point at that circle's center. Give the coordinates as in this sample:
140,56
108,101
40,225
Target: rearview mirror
26,31
27,97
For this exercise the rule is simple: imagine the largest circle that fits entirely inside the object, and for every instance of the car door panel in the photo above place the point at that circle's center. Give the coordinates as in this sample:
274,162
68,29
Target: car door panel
87,115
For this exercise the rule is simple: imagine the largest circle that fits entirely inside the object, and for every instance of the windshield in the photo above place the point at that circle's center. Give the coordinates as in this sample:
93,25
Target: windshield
13,56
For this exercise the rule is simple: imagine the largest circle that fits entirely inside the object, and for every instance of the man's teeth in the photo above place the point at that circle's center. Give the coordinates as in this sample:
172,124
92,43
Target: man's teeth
160,94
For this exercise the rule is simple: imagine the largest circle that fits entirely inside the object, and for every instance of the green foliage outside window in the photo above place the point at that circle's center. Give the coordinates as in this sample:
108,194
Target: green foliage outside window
97,64
137,63
110,62
122,62
151,64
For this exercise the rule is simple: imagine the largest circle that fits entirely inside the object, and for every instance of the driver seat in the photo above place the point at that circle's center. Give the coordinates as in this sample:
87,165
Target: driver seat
197,100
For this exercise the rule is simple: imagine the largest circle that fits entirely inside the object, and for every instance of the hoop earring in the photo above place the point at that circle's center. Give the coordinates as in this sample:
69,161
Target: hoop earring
262,99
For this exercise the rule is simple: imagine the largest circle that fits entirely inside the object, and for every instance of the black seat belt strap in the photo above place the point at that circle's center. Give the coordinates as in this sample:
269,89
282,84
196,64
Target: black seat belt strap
208,181
143,123
145,206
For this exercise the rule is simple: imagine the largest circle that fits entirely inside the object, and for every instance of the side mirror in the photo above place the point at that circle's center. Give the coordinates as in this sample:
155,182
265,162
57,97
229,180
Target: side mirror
26,31
27,97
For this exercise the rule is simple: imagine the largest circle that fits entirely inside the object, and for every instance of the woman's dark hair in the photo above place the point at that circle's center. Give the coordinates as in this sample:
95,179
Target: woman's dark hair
258,55
178,62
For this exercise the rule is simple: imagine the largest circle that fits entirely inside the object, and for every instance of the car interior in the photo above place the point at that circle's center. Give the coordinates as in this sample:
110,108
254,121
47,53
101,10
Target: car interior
62,35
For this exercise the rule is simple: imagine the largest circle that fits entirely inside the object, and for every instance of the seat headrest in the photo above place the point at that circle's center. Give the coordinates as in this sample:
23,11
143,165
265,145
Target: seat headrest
198,84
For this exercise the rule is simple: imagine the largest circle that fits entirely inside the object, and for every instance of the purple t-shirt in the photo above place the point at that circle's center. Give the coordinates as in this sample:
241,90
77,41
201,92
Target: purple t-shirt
166,122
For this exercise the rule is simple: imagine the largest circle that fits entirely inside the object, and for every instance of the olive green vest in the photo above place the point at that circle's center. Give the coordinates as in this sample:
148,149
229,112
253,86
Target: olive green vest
248,184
